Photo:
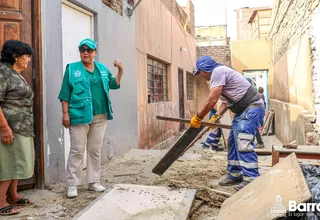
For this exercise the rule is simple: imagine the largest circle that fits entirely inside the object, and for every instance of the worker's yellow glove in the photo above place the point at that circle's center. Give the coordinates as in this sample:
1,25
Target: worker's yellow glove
212,120
195,122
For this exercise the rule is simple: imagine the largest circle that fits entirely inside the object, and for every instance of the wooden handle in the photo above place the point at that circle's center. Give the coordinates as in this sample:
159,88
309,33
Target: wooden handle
187,121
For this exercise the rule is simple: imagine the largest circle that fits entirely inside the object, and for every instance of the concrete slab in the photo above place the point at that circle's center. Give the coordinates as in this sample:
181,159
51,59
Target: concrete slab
136,202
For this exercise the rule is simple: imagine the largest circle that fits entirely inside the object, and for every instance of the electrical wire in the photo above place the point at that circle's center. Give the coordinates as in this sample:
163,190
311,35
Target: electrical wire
275,17
298,53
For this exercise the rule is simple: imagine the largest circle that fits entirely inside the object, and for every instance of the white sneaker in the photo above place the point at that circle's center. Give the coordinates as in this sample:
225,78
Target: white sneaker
259,145
72,192
96,187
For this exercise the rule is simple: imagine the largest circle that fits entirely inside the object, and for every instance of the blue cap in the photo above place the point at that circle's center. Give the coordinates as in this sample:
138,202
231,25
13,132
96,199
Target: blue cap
202,61
249,80
89,42
206,64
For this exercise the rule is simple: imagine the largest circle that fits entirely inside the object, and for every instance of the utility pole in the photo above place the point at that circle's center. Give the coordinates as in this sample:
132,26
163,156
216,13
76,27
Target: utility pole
226,16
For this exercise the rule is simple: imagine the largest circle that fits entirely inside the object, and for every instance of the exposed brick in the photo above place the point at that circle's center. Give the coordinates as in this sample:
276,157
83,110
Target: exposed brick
116,5
185,15
290,21
220,54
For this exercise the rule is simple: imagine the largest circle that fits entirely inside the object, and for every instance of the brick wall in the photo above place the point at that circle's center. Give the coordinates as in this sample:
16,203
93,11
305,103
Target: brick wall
189,9
220,54
243,28
291,19
116,5
185,16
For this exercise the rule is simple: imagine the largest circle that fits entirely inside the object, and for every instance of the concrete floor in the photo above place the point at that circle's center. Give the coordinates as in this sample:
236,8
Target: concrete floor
135,202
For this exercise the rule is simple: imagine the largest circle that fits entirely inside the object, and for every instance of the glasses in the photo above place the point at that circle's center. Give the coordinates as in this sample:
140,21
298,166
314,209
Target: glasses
83,50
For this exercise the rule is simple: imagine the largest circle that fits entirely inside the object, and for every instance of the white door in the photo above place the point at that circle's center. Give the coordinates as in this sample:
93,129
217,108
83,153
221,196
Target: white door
77,24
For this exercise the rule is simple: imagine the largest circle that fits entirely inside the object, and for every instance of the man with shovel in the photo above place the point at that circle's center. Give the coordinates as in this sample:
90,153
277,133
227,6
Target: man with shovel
240,97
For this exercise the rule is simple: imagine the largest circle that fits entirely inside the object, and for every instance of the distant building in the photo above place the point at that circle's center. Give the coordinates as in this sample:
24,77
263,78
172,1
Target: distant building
211,35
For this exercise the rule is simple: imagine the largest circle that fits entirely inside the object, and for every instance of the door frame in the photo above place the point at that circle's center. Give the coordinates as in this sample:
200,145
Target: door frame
181,71
266,75
38,100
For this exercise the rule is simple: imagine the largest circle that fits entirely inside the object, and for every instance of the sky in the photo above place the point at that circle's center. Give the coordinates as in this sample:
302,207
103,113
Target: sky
213,12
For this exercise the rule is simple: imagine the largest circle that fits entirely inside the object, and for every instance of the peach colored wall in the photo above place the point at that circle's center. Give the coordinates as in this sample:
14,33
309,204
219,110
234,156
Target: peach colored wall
253,55
159,35
292,74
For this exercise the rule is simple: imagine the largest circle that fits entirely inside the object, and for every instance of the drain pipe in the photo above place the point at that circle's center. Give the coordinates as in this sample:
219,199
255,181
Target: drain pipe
130,11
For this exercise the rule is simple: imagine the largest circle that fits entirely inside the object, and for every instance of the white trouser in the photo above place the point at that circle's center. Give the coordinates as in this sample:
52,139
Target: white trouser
88,137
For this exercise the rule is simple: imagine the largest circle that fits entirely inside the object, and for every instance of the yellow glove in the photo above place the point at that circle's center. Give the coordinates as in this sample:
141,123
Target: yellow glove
215,108
212,120
195,122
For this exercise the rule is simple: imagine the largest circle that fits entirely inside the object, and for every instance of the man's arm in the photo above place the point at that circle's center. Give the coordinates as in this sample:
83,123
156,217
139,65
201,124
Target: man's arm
210,102
222,109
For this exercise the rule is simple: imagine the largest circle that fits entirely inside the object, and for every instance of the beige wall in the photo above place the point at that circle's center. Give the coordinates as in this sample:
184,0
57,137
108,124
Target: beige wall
161,39
253,55
293,84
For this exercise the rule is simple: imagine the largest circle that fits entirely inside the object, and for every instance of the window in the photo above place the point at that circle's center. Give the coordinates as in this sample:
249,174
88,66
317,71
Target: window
190,88
157,81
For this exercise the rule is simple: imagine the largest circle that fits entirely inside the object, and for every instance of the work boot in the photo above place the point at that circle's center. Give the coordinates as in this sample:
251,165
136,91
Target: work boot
241,185
72,192
229,182
260,145
215,148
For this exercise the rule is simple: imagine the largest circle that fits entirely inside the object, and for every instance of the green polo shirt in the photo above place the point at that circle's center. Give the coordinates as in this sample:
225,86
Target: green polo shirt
99,97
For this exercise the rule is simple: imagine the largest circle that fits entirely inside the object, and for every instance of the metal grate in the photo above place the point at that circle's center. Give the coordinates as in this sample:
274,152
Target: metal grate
157,81
190,86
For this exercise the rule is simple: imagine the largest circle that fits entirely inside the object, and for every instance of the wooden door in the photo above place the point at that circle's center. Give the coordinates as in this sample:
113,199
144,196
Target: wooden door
181,97
16,24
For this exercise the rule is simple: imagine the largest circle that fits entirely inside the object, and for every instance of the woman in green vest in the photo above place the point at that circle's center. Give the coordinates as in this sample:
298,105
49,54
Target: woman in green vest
86,108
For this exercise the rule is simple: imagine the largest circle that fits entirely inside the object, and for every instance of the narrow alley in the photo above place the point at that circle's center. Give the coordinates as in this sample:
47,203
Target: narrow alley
159,109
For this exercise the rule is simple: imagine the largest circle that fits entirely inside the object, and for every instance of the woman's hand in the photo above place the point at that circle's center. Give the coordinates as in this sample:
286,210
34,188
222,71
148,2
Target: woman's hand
66,120
117,63
6,135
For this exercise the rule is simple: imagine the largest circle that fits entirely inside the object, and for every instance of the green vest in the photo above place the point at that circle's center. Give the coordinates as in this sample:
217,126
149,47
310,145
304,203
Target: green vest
80,106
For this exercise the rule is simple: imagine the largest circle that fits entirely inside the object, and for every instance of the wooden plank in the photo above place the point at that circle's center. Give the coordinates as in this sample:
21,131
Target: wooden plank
186,205
275,156
270,127
203,123
258,199
263,151
302,149
268,122
176,150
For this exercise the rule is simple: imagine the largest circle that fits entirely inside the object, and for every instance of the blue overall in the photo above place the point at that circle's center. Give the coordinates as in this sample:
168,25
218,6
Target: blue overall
242,159
214,136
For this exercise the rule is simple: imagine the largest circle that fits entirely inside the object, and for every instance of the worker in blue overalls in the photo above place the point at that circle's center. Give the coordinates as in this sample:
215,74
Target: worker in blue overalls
237,94
213,140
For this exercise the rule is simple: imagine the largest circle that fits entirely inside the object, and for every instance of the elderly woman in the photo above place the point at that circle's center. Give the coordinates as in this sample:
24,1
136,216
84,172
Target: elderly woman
16,125
86,108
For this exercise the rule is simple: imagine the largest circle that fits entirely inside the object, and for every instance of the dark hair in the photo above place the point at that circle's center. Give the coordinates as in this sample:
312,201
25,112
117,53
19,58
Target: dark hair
260,90
14,48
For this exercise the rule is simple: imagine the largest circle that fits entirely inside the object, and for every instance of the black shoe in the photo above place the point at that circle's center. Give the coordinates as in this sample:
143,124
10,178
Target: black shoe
229,182
241,185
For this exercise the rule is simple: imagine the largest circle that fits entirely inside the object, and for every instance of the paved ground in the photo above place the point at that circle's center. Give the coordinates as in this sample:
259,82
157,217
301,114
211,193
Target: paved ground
196,170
